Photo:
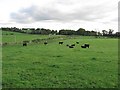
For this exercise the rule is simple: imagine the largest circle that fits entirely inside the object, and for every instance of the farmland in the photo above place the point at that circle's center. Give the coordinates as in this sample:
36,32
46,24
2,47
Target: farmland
57,66
11,37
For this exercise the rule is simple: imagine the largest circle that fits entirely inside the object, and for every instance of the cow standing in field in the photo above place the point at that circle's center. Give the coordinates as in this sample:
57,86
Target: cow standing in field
67,45
87,45
24,44
45,43
60,42
71,46
83,46
77,42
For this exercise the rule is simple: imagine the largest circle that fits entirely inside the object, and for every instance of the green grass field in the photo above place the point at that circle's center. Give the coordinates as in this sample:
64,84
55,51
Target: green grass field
19,37
57,66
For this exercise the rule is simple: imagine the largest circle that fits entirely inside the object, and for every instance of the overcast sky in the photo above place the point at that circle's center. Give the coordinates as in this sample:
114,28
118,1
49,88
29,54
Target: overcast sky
59,14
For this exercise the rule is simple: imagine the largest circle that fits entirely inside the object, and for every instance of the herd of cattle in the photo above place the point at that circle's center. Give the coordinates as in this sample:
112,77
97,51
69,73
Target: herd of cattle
61,42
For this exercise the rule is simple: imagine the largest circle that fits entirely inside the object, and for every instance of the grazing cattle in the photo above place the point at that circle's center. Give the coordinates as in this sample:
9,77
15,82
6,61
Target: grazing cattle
60,42
71,46
24,44
77,42
67,45
83,46
86,45
45,43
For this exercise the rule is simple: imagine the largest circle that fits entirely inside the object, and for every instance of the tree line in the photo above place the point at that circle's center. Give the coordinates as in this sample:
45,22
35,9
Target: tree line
80,31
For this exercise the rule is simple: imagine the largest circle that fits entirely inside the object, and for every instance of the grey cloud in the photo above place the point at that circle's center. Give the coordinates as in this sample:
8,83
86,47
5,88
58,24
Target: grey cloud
35,13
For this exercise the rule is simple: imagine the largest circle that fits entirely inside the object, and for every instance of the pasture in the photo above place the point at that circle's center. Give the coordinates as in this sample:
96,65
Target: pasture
58,66
12,37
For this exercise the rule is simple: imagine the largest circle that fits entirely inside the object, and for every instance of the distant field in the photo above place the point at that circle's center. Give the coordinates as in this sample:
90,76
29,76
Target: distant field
18,37
57,66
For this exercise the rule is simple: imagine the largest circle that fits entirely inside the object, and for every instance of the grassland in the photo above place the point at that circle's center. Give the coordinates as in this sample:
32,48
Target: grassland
57,66
11,37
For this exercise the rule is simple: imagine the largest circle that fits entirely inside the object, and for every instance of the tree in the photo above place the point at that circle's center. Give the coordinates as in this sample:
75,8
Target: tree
99,34
87,33
110,32
54,32
117,34
104,32
66,32
93,33
80,31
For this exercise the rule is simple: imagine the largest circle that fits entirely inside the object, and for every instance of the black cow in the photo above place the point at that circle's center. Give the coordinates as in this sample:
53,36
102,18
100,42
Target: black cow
60,42
77,42
24,44
86,45
67,45
45,43
71,46
83,46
